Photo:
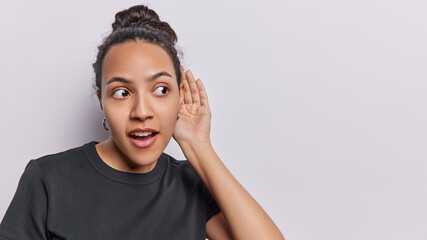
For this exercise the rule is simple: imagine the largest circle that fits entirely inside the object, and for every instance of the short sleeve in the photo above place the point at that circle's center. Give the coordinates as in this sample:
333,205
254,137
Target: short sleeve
212,207
26,215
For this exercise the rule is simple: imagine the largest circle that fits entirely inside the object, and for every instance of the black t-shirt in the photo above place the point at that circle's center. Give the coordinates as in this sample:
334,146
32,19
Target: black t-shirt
76,195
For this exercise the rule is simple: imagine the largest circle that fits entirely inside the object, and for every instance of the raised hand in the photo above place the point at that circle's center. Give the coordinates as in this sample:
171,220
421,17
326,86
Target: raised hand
195,115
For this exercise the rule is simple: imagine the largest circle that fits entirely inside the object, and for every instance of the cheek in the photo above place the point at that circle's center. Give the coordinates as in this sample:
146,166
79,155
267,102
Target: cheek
115,117
167,115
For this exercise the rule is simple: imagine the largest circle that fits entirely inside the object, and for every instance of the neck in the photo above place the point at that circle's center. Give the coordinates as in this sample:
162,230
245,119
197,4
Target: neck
111,154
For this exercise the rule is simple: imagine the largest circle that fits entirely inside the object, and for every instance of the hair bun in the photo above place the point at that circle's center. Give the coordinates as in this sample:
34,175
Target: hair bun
142,16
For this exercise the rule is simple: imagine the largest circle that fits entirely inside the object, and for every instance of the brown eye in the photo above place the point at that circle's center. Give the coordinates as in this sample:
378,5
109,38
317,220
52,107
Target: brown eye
162,90
120,93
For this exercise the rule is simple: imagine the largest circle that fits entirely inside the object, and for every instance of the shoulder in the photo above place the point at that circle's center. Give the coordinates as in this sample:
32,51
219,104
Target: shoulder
180,167
63,161
51,169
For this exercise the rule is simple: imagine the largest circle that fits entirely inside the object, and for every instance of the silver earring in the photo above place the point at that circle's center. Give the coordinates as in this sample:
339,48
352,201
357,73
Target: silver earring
178,116
104,124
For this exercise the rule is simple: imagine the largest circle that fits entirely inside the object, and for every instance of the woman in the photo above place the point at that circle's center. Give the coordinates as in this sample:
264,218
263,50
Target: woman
126,187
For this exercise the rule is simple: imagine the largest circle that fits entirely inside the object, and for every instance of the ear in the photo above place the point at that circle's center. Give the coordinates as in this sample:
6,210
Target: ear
99,98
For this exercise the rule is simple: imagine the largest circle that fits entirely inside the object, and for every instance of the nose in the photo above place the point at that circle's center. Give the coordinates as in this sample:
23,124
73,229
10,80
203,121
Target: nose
141,108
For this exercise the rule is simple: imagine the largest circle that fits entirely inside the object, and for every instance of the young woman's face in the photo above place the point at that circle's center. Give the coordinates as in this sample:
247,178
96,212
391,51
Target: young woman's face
139,90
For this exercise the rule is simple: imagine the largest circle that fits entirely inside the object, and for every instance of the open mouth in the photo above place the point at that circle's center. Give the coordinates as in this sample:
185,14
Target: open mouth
143,138
143,135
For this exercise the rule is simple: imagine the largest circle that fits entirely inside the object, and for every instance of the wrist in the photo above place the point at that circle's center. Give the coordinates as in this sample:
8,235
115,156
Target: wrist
196,150
195,145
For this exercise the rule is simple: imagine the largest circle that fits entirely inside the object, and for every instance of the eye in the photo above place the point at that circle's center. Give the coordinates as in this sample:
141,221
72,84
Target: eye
162,90
120,93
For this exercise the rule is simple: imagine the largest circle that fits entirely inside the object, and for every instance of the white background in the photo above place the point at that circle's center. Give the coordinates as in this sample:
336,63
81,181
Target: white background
319,107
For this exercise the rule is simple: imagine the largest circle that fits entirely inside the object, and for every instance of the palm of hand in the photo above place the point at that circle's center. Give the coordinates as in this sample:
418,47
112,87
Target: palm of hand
195,114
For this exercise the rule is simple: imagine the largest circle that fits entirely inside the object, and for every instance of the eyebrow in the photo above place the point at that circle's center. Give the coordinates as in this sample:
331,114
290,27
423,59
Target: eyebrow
150,79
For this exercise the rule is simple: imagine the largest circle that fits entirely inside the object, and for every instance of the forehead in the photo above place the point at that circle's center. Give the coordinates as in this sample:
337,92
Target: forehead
136,58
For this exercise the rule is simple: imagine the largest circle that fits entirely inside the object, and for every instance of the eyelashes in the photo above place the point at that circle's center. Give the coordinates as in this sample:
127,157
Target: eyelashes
162,92
122,93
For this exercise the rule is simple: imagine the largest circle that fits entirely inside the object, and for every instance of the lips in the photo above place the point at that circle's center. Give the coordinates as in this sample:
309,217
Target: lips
142,130
143,138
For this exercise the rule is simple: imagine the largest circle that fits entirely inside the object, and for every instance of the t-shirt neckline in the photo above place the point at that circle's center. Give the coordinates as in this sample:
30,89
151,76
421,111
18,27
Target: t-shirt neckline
121,176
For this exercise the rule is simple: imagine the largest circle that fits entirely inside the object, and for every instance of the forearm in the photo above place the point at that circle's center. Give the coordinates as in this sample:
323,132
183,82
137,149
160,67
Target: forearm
246,218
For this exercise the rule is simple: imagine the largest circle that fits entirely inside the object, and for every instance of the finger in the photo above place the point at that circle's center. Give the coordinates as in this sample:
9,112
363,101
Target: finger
203,95
187,92
181,93
185,87
193,87
181,69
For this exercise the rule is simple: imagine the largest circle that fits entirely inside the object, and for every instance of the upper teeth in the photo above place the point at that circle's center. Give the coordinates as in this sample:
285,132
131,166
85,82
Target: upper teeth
141,134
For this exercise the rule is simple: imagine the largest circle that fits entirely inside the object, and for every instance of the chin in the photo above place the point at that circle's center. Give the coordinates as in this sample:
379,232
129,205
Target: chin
144,156
137,153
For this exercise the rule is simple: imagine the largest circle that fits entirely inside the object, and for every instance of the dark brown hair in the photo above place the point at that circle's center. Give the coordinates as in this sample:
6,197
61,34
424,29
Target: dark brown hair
138,23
